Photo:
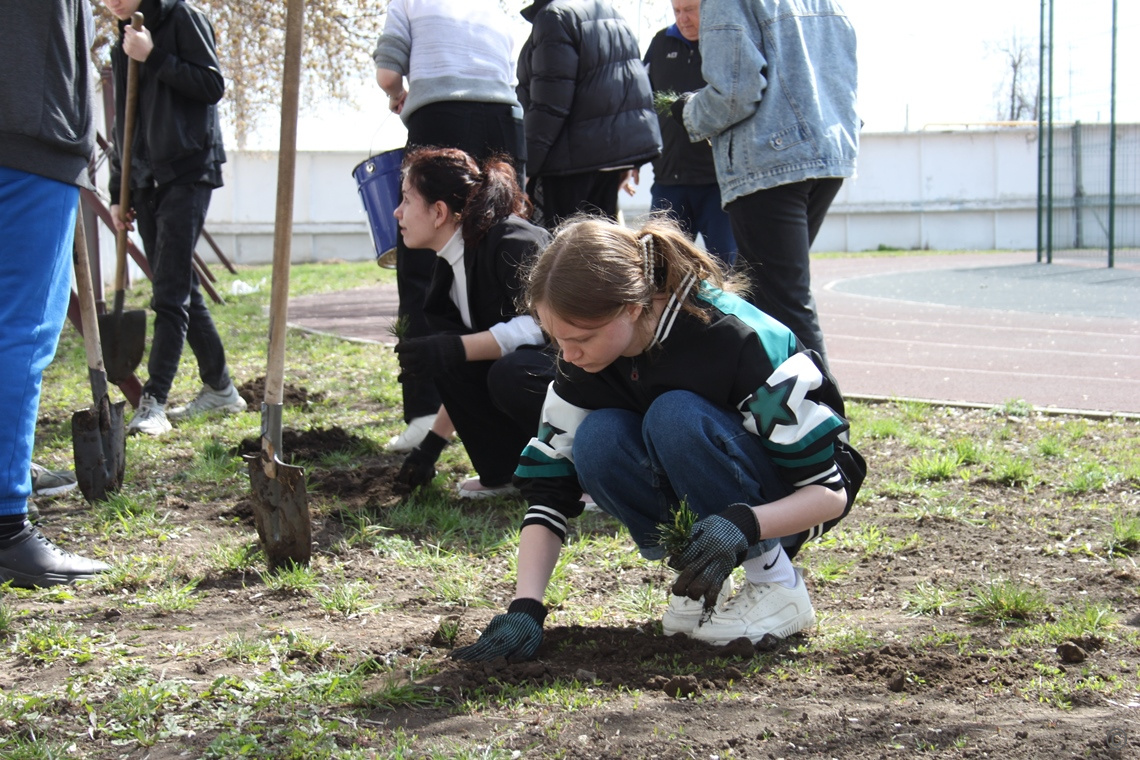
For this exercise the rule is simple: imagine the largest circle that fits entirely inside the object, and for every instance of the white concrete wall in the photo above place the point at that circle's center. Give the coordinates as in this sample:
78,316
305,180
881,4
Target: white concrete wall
967,189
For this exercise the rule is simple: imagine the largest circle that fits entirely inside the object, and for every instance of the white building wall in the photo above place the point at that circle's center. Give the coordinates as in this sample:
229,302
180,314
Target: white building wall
967,189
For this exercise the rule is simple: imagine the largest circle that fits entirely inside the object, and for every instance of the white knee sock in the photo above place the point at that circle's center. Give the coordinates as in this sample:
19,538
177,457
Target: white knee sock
773,566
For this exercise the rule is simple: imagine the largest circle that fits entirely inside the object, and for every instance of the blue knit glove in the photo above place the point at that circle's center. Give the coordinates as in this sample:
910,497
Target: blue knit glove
716,545
515,634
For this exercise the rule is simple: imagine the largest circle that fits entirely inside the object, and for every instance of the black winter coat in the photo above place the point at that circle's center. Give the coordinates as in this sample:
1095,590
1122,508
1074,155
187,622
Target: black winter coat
674,65
585,95
177,138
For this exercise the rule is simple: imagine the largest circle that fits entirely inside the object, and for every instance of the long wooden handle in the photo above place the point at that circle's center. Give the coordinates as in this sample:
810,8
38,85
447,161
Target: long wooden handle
125,164
88,316
283,223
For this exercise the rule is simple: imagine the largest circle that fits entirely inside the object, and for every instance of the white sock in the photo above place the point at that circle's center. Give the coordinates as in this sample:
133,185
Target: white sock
773,566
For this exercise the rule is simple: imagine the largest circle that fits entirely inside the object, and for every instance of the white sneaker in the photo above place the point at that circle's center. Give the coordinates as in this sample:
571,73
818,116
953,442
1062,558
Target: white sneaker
47,482
683,614
227,401
150,418
759,609
413,435
473,489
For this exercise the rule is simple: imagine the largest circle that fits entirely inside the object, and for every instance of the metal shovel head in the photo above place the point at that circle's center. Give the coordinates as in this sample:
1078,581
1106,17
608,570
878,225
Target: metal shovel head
123,337
280,509
99,444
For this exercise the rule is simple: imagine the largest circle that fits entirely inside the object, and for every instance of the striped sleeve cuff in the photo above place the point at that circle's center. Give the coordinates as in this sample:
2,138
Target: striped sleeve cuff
551,519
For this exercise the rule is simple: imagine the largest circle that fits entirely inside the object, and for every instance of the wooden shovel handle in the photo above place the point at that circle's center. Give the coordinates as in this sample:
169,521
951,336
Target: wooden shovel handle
88,316
283,222
125,161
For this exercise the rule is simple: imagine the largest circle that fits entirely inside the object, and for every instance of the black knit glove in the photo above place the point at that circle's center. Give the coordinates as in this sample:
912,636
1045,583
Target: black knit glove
677,109
716,545
419,466
515,634
424,358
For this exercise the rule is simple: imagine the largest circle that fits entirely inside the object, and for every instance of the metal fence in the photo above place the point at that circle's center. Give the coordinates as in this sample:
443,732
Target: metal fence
1088,199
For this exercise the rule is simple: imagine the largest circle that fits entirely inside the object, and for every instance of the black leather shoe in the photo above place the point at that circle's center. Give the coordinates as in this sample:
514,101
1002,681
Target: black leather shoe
30,560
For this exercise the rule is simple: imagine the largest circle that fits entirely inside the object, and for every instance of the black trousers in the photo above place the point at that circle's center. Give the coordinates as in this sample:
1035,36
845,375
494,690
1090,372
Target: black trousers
496,406
169,220
774,230
558,198
480,129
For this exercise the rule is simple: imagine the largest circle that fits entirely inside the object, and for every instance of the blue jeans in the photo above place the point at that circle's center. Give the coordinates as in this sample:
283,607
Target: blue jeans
697,208
37,216
170,219
638,468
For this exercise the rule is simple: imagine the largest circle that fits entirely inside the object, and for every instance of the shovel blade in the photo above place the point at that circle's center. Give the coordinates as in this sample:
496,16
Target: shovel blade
99,445
123,337
281,510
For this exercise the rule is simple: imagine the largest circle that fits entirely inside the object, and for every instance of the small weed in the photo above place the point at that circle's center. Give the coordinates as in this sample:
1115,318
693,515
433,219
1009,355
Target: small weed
1012,471
1017,407
938,466
297,578
1051,446
1088,478
7,619
830,570
927,599
347,599
172,596
969,451
1006,602
1125,539
882,428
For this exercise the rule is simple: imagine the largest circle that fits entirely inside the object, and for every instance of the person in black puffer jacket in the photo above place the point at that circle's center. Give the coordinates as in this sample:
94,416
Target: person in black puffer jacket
588,107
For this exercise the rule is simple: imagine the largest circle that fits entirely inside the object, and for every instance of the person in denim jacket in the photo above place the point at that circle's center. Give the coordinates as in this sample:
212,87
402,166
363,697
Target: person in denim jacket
780,111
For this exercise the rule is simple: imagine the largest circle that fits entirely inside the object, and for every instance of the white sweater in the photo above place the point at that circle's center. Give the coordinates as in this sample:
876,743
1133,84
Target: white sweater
449,50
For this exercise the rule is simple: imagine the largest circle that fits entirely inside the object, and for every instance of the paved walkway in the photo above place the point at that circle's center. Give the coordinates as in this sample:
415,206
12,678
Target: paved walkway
970,328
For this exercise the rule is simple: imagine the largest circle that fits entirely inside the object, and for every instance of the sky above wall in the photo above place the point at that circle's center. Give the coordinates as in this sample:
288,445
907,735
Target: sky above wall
922,65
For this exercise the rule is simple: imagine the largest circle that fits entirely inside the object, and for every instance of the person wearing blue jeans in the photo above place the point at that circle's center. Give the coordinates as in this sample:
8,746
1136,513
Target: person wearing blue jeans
48,141
684,176
639,467
780,112
697,208
672,391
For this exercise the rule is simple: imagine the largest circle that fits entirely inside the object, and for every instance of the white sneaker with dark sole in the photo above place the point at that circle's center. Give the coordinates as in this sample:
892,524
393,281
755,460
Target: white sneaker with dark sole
683,614
759,609
47,482
210,401
473,489
149,418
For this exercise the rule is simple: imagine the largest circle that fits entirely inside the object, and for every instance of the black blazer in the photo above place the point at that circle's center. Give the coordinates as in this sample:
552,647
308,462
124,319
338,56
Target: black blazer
494,278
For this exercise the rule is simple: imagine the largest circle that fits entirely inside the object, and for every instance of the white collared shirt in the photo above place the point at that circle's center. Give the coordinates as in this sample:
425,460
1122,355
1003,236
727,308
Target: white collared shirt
517,331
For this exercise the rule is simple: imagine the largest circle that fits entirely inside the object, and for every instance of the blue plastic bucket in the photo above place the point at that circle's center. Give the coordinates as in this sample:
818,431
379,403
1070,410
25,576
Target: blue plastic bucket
378,180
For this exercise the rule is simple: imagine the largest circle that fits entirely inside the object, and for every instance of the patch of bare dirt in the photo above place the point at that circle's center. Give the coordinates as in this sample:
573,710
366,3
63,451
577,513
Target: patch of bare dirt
880,684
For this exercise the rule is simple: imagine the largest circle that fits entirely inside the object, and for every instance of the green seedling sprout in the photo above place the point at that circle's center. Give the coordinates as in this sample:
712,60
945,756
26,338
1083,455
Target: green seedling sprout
663,101
674,534
399,327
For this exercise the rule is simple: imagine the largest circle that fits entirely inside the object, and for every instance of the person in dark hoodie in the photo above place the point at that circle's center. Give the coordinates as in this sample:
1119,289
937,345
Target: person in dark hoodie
47,136
587,108
176,162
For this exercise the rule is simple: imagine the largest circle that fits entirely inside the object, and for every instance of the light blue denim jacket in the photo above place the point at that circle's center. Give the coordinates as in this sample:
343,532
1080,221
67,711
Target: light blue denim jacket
780,102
